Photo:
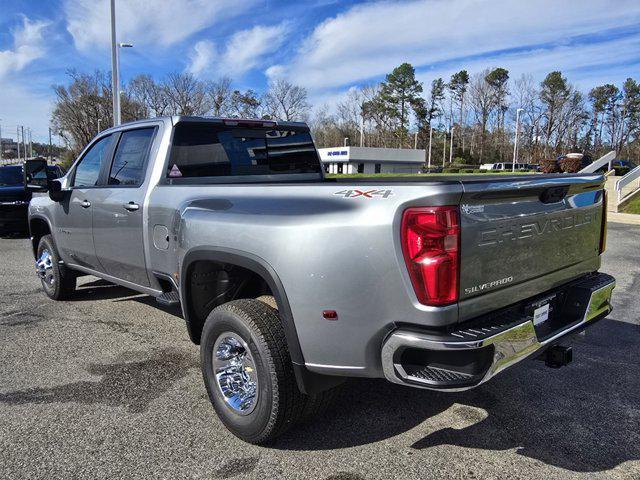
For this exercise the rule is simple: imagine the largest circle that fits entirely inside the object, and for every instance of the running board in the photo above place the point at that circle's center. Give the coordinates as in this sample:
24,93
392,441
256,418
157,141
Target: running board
169,299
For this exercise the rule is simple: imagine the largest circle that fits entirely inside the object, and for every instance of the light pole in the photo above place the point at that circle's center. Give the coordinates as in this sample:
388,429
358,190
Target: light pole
451,146
115,66
430,137
444,150
515,142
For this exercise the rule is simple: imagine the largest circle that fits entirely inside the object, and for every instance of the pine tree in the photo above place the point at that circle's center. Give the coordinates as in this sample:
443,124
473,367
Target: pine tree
400,95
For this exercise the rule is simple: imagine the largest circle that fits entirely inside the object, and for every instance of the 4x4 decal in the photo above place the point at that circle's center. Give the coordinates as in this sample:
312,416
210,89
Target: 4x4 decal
364,193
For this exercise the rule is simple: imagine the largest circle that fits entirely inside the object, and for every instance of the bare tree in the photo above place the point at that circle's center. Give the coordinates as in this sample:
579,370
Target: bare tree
246,104
186,94
84,107
483,102
324,128
285,101
526,96
219,93
147,92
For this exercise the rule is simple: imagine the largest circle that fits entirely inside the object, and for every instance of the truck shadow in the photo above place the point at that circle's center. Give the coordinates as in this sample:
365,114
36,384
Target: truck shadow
582,418
102,290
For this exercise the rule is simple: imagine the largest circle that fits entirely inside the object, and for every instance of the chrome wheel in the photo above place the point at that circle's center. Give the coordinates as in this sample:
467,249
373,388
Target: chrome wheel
44,268
235,372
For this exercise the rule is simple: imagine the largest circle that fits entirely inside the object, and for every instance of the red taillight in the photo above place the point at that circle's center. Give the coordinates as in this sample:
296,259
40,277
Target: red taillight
603,225
431,247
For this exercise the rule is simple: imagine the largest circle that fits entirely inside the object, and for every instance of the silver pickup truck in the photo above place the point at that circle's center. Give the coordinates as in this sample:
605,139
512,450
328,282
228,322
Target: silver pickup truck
291,282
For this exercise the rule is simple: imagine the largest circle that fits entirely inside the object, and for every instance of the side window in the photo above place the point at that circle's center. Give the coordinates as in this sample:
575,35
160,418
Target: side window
129,161
88,170
210,150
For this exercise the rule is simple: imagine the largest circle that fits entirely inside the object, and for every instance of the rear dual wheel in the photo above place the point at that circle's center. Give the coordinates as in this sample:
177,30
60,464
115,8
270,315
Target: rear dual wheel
248,372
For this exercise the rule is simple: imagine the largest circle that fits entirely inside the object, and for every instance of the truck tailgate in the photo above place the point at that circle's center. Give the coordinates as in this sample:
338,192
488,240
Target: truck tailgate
522,236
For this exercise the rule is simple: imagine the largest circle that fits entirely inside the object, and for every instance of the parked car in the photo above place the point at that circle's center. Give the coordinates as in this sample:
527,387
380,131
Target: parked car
507,166
291,282
622,167
14,197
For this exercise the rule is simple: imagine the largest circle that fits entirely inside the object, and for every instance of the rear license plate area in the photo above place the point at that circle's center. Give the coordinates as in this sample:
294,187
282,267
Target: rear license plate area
545,313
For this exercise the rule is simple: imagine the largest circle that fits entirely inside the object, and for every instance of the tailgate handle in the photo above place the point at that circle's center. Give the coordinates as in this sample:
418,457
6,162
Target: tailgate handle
554,194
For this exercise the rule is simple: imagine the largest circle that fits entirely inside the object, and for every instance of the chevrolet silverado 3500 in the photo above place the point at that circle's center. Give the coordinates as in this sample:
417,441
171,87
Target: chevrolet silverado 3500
291,282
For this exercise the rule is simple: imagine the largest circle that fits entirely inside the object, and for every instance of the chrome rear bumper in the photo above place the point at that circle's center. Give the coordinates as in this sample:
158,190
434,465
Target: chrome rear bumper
490,349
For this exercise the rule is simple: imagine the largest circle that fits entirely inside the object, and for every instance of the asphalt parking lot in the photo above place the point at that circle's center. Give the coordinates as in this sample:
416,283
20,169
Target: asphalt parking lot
108,386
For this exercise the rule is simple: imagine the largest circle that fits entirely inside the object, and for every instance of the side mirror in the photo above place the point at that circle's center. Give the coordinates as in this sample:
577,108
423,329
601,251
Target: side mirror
36,175
55,190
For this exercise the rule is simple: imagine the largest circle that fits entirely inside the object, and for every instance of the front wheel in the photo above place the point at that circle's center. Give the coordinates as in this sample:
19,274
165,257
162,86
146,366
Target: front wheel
57,282
248,372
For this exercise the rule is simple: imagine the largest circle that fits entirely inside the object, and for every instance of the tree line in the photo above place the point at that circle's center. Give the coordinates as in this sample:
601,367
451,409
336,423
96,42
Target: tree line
476,112
479,112
84,107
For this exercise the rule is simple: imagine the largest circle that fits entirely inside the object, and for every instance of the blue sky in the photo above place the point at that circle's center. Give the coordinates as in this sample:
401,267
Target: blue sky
326,46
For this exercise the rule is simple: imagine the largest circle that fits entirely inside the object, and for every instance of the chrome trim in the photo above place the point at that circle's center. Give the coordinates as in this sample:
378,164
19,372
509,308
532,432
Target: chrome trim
338,367
235,372
511,346
44,268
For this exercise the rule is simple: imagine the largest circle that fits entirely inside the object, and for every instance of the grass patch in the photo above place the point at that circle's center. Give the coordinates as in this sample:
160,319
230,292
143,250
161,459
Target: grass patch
633,206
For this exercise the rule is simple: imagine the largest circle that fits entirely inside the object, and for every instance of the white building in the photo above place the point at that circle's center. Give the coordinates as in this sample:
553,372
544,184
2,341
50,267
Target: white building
371,160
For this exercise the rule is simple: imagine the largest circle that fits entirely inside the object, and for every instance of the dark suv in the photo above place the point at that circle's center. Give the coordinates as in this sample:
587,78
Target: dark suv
14,198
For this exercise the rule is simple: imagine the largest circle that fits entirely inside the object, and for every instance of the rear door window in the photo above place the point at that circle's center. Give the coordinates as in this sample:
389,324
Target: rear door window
209,150
130,157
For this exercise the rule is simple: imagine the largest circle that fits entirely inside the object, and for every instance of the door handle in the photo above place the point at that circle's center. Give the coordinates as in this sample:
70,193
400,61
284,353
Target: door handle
132,207
85,204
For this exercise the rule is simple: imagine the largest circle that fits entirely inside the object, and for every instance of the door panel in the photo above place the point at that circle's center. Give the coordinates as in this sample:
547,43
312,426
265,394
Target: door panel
74,237
118,217
74,215
117,234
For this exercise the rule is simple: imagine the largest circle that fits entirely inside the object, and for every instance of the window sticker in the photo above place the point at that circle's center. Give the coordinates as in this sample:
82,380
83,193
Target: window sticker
175,171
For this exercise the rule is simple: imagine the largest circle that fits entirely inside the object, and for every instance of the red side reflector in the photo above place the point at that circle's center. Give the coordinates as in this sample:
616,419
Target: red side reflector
431,248
330,314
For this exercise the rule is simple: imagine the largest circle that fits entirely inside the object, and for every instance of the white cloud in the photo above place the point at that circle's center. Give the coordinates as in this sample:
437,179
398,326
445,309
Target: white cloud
144,22
369,40
275,71
202,57
584,65
245,50
28,46
20,106
23,107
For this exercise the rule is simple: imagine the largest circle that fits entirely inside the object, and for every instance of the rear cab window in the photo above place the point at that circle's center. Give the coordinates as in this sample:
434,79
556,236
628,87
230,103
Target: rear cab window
209,150
128,167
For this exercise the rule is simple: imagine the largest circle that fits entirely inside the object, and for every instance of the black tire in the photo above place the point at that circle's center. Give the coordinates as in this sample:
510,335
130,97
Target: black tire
279,404
63,282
